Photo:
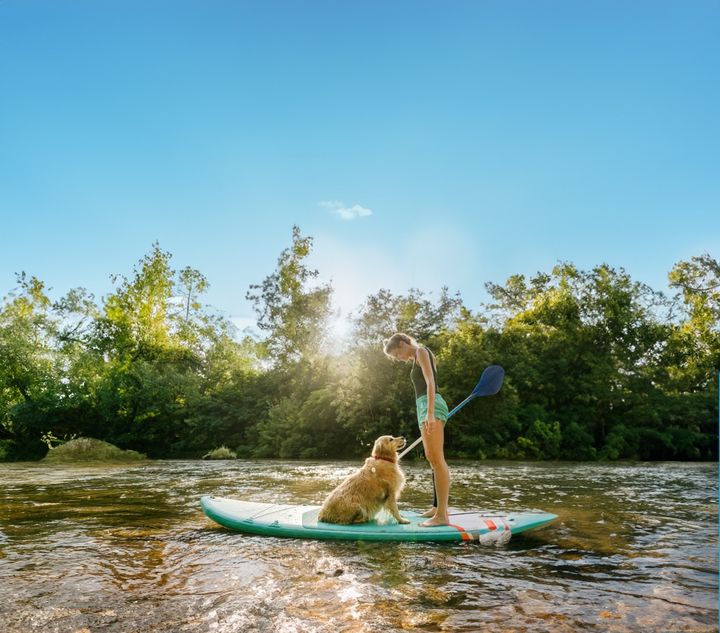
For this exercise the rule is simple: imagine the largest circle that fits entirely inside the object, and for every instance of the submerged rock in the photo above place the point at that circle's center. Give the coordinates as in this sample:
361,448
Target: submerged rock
87,449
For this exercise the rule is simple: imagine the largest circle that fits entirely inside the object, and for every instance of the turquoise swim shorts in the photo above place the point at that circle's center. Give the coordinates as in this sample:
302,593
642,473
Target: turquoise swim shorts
441,409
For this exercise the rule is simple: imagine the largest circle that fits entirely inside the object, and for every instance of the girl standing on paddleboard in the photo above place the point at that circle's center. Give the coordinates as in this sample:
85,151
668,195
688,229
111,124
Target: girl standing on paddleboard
432,413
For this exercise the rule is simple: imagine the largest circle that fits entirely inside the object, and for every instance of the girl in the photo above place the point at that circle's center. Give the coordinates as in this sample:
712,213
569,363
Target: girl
432,412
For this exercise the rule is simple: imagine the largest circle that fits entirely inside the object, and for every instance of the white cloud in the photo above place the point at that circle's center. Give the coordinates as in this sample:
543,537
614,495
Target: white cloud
346,213
331,204
350,213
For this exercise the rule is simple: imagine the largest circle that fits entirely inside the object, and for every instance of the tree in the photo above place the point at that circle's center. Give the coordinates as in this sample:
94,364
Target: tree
28,365
292,312
696,344
597,366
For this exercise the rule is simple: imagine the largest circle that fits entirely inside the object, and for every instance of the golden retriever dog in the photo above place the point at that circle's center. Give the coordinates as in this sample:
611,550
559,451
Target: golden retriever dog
375,486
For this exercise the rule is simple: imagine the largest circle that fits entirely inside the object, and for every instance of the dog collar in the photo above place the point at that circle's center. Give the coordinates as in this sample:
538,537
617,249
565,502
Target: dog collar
385,459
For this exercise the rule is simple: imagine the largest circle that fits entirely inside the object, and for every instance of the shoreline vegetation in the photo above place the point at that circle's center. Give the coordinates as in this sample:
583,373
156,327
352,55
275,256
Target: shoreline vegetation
86,449
598,366
222,452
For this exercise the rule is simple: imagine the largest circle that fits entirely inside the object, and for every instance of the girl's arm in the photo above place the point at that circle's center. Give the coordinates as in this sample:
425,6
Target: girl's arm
423,358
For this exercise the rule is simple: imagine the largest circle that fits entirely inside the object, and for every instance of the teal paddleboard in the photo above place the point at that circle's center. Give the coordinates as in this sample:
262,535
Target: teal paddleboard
298,521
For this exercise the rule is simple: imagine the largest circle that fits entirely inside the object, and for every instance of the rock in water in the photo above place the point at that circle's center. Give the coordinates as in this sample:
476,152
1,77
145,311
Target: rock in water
87,449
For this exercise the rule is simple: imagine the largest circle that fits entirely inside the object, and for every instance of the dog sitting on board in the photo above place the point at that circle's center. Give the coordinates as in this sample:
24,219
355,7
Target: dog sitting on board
375,486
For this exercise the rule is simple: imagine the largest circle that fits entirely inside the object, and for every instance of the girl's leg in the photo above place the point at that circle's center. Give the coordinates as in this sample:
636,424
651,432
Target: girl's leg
434,451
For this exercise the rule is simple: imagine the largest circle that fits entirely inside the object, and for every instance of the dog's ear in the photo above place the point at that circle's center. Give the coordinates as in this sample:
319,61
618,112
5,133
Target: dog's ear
378,446
387,448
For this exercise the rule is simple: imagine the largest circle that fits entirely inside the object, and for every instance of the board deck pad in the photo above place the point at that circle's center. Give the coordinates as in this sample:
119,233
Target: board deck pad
300,521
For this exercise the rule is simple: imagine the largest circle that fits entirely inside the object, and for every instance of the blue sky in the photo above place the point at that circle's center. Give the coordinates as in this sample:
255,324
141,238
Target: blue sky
421,143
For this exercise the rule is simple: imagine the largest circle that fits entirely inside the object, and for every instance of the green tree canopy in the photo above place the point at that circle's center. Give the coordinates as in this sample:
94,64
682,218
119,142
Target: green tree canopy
598,365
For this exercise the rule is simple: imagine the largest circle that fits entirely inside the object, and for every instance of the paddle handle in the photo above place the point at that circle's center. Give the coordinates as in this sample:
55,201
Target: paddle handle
455,410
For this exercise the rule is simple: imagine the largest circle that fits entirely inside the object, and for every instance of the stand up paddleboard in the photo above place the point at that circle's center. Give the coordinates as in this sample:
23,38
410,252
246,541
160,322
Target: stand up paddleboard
295,521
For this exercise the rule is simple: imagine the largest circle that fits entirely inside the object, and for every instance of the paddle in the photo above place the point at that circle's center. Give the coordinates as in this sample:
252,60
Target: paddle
489,384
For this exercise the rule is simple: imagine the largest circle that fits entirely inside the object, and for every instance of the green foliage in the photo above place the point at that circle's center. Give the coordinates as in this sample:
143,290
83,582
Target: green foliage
542,441
292,313
598,366
222,452
7,450
86,449
53,442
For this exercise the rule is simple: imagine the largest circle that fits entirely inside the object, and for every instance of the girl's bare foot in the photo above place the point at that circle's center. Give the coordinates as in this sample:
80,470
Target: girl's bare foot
435,521
429,513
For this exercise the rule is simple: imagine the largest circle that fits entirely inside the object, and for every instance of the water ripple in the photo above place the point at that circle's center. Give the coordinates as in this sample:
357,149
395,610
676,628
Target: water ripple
127,549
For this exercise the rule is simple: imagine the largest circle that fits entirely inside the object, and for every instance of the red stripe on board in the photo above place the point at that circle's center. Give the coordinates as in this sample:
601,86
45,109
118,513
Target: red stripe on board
490,523
463,533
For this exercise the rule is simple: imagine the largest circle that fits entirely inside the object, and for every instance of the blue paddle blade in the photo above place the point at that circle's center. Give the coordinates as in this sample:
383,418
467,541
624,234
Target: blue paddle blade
490,382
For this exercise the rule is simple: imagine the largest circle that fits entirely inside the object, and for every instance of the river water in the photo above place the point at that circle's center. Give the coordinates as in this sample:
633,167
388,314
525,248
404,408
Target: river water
126,548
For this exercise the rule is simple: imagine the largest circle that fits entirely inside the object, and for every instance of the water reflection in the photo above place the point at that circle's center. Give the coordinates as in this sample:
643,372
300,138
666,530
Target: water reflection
127,548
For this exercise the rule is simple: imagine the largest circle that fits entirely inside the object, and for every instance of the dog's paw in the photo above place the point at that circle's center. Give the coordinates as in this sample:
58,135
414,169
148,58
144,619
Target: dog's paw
403,521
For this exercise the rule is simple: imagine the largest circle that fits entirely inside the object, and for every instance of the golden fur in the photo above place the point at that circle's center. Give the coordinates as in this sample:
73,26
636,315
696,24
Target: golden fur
376,485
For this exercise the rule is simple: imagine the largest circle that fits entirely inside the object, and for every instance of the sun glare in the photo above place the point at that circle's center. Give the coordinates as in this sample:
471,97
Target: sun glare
339,331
